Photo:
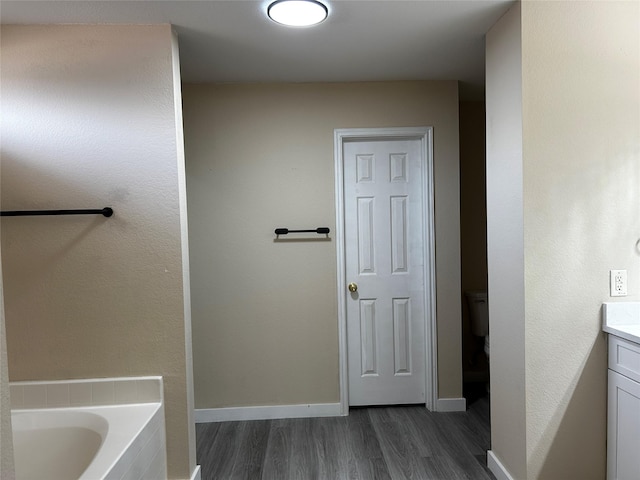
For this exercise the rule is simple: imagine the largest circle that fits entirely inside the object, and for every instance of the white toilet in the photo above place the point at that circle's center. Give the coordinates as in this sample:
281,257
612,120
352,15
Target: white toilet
479,315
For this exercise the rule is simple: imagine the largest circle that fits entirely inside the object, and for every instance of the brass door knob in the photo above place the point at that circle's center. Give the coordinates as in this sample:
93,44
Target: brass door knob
353,287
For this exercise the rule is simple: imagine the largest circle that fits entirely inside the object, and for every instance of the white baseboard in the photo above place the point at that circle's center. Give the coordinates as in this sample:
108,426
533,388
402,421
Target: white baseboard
496,467
451,405
268,412
196,474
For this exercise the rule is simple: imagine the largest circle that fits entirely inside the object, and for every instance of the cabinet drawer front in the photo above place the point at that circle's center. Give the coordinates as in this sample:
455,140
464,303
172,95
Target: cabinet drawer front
624,357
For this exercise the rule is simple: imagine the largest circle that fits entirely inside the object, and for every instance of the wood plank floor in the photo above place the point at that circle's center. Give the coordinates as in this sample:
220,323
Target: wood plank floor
391,443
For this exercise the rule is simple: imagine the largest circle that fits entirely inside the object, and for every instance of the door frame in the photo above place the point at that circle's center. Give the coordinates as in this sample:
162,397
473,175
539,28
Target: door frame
425,135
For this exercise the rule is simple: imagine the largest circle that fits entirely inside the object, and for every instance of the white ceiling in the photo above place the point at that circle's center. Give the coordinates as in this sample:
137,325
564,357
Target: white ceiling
362,40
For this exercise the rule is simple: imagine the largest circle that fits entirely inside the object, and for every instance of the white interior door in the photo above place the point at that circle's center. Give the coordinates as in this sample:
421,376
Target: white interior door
384,257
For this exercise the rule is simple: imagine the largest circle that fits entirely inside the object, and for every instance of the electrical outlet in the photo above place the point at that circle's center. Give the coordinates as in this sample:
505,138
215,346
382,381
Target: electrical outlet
618,283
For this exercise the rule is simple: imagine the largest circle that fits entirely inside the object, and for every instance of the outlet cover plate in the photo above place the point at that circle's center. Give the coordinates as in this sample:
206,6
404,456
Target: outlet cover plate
618,283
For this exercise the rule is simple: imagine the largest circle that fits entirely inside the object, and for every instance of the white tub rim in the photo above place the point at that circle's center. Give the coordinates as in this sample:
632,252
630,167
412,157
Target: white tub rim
126,422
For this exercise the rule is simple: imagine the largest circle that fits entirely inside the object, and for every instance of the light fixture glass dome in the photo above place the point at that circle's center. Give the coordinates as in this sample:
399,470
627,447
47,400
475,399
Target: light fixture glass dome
297,13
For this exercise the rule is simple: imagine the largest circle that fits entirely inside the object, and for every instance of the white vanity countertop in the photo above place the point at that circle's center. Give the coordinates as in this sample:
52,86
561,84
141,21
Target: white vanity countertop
622,319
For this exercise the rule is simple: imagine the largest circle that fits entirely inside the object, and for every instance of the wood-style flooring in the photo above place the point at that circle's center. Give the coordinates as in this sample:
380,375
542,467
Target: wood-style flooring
395,443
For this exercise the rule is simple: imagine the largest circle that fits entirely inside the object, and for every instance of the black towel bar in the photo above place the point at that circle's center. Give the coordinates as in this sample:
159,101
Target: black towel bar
319,231
107,212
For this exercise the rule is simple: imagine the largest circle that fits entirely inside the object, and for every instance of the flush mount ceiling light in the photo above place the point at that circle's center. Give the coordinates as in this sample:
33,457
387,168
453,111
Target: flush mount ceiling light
297,13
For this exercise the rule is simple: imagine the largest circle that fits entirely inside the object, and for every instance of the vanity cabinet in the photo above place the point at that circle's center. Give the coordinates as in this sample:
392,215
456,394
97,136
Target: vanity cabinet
623,417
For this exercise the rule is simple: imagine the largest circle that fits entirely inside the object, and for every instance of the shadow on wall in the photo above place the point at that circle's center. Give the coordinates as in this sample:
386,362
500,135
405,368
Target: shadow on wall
301,240
583,419
22,190
37,252
31,184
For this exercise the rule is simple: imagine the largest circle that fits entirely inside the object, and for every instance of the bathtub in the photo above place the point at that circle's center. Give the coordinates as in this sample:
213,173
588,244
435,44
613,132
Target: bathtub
122,441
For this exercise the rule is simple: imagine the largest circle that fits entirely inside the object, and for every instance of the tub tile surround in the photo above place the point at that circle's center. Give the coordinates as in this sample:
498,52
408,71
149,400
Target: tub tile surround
79,394
145,455
622,319
151,446
34,397
85,392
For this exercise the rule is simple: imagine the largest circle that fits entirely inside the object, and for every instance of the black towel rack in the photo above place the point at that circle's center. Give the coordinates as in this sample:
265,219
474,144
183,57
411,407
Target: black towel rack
319,231
107,212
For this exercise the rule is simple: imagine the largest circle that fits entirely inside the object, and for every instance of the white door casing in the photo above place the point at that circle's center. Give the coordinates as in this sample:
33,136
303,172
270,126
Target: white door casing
384,184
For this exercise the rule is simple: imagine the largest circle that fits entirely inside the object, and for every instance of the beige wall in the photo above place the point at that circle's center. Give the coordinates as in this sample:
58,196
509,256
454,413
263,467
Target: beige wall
473,227
505,243
473,192
88,120
580,186
260,157
581,147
